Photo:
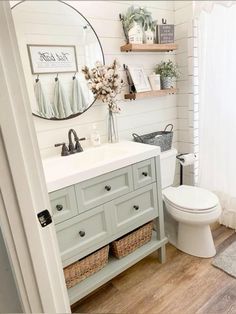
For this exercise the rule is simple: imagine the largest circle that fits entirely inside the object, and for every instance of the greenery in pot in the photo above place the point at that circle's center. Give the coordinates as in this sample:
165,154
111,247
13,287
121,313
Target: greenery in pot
139,15
169,72
167,69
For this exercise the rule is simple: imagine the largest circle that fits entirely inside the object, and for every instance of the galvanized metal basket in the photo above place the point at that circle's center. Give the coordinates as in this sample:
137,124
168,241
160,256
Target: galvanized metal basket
159,138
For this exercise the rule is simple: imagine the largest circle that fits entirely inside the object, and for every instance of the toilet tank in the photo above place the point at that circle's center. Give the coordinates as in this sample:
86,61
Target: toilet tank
167,163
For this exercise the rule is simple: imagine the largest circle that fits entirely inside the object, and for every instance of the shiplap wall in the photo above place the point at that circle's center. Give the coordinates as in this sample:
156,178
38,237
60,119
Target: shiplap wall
141,116
187,115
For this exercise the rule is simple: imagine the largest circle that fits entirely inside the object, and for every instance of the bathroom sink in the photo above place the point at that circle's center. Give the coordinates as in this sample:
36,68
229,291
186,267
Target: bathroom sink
64,171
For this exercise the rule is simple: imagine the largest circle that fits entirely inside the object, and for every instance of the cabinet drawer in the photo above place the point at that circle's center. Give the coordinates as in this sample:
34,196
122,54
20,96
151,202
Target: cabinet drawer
82,232
134,209
144,173
104,188
63,204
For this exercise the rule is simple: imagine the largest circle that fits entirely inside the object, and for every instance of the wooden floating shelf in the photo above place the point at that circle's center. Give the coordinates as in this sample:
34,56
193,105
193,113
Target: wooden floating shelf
153,93
148,47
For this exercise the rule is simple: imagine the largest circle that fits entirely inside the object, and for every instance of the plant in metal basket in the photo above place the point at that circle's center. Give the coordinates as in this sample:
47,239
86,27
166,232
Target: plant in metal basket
169,72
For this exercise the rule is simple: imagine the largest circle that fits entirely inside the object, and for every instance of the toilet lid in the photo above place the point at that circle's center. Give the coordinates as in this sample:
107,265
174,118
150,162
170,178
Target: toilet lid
191,197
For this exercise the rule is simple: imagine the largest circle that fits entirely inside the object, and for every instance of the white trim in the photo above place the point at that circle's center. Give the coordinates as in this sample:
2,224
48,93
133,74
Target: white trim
14,236
45,286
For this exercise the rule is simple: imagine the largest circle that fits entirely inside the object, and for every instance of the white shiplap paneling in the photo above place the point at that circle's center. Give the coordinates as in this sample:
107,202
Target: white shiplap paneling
185,84
137,116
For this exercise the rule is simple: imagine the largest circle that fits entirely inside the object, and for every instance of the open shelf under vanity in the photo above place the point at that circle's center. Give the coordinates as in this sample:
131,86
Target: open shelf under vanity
113,268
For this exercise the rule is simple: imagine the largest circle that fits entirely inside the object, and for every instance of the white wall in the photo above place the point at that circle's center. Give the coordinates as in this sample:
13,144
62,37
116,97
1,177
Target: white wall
141,116
186,116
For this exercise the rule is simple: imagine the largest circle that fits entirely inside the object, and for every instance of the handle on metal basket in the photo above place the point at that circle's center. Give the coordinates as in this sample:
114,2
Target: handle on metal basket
137,137
171,125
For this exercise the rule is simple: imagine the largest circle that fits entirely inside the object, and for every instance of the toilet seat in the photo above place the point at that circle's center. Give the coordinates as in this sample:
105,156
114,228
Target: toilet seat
191,199
192,211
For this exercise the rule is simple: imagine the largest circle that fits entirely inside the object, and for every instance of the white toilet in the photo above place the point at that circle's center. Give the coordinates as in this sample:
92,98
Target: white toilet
191,210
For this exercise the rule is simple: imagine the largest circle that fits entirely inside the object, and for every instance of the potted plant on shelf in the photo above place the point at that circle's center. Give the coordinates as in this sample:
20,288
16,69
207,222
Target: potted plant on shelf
169,72
136,22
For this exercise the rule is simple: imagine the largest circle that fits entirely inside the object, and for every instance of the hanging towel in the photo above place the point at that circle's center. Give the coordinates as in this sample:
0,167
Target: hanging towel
44,106
78,101
61,101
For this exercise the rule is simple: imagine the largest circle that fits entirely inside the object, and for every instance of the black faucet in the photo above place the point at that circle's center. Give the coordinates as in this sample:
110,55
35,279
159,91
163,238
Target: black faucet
71,149
77,148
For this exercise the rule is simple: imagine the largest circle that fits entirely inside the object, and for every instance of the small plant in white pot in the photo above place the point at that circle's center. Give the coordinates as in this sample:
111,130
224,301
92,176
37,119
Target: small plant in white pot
169,72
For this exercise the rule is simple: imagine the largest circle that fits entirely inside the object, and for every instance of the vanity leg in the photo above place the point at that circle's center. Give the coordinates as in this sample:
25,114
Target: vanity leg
162,254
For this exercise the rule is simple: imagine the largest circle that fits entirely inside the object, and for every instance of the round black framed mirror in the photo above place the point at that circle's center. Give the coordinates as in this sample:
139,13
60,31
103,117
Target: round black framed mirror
56,41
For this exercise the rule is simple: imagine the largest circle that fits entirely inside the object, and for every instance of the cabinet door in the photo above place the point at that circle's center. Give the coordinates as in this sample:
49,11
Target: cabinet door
132,210
144,173
63,204
104,188
85,231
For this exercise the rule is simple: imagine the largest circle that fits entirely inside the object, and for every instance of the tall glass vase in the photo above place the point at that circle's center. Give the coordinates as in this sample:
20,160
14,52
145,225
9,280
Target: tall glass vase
112,127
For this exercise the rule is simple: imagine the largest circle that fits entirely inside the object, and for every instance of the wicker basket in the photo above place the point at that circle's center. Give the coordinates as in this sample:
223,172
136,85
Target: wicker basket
86,267
160,138
132,241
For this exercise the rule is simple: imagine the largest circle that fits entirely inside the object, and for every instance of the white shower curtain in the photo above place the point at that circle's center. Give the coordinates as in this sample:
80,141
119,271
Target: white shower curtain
217,106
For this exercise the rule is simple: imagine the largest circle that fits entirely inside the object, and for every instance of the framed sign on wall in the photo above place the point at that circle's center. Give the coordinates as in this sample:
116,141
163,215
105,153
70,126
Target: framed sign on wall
52,58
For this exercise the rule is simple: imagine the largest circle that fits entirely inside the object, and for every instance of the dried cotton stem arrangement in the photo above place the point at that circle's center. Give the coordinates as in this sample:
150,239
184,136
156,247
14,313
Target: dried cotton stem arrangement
105,83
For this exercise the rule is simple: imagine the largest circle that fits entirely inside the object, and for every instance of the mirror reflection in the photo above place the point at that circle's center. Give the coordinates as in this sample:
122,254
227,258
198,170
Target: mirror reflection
55,43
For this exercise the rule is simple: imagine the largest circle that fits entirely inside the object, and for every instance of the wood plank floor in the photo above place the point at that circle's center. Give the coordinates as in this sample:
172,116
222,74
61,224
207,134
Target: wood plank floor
183,285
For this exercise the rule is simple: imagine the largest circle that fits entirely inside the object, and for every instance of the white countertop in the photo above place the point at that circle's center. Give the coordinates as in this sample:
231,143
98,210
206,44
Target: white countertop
64,171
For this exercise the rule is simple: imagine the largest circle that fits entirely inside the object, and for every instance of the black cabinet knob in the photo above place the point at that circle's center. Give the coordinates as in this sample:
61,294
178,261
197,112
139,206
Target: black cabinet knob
108,187
82,233
136,207
59,207
145,173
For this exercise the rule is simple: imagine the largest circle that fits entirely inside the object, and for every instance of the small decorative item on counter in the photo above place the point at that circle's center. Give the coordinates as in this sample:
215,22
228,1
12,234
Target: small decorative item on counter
106,83
165,33
95,136
169,72
138,25
155,81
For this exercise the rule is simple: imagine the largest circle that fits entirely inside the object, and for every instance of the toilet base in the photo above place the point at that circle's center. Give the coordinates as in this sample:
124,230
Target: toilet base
195,240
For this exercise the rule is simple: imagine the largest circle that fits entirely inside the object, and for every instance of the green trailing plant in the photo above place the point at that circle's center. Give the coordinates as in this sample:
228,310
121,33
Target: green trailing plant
139,15
148,21
167,69
152,25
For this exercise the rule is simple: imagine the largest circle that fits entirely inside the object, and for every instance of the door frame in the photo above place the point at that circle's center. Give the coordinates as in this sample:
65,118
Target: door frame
33,250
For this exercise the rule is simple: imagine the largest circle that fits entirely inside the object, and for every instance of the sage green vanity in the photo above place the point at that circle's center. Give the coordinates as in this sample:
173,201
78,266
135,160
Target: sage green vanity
94,212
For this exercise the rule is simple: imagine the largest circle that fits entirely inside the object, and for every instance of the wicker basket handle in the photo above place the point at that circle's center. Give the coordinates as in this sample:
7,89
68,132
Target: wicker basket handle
137,137
171,125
